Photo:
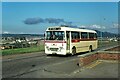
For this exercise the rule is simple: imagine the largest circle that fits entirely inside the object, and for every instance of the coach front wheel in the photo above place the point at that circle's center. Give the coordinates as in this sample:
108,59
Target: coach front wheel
73,51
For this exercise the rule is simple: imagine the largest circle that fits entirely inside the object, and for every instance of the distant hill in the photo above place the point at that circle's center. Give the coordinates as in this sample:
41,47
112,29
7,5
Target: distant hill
22,35
104,34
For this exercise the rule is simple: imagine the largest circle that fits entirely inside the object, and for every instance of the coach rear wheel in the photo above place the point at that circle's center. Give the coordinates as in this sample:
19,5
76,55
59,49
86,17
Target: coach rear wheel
90,49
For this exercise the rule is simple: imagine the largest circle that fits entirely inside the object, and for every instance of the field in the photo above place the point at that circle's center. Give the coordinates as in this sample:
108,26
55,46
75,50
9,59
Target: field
41,48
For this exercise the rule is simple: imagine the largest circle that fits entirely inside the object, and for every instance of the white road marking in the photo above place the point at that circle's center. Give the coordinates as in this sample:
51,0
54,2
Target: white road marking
48,57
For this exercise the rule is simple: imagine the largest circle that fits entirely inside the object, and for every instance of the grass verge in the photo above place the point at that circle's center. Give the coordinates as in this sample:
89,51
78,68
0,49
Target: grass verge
41,48
23,50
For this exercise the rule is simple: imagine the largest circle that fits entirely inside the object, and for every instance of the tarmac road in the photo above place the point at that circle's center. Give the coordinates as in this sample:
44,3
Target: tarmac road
20,65
17,67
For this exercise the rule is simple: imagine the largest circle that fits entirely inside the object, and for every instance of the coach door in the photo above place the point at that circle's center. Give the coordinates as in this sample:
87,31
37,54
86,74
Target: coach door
68,41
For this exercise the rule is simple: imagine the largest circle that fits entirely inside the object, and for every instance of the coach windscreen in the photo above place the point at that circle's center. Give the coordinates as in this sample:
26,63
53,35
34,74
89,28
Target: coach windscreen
55,35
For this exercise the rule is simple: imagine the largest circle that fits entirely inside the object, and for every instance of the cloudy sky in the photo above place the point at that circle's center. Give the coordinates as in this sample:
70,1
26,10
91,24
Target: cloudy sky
35,17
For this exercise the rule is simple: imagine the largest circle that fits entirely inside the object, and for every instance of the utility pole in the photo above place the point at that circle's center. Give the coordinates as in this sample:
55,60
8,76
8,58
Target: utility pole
101,36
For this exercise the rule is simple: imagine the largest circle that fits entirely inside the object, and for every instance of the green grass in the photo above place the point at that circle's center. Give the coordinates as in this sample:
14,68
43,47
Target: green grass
41,48
23,50
106,43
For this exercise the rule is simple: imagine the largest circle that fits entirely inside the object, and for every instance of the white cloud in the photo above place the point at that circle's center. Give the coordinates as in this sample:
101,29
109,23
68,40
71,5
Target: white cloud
116,25
6,32
22,33
95,26
82,26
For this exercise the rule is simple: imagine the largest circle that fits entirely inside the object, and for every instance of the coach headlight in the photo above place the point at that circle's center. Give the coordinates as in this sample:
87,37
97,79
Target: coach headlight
47,48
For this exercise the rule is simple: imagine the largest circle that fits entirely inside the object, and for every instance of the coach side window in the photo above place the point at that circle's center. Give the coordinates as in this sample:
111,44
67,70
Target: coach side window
84,35
75,35
95,35
91,35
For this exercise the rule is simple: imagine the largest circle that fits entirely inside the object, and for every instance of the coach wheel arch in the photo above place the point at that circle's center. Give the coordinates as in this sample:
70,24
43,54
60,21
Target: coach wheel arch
73,50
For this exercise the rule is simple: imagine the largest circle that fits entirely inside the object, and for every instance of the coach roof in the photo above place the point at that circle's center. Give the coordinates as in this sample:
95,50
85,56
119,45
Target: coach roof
59,28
